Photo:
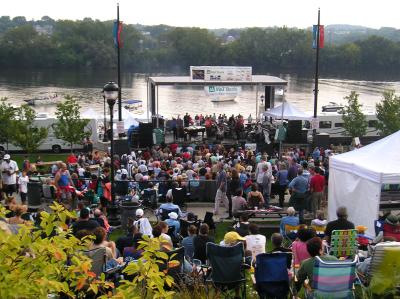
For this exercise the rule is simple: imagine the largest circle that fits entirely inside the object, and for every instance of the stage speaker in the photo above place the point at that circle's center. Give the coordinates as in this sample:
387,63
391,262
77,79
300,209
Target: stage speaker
294,132
269,97
322,140
121,146
145,134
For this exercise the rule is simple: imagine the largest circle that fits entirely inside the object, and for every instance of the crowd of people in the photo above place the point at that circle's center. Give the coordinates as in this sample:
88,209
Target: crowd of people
244,180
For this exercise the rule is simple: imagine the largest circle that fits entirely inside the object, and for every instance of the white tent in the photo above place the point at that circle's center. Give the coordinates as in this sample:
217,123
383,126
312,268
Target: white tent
287,111
356,178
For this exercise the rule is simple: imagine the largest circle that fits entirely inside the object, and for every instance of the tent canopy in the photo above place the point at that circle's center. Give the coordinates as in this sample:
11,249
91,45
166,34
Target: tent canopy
289,112
356,178
378,161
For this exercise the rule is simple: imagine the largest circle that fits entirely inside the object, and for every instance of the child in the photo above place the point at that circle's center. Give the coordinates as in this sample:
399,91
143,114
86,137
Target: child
23,186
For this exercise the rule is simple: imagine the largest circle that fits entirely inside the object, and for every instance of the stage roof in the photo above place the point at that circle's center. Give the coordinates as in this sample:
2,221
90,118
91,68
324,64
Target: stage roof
185,80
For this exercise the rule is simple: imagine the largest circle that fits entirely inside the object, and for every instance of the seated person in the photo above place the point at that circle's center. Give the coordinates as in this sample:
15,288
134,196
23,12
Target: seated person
142,223
299,246
320,220
173,221
314,248
18,210
100,241
276,240
133,252
255,241
127,240
290,219
242,227
238,202
233,238
187,242
340,224
84,222
162,230
199,243
255,198
391,230
101,219
169,206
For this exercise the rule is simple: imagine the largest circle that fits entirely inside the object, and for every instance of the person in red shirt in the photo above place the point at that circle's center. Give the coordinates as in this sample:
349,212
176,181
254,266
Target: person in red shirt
317,185
72,159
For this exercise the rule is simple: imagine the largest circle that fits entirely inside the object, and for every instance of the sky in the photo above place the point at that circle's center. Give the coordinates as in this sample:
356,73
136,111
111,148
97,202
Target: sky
215,13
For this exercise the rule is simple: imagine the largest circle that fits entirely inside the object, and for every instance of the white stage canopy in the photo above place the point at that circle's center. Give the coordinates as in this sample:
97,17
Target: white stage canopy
356,178
287,111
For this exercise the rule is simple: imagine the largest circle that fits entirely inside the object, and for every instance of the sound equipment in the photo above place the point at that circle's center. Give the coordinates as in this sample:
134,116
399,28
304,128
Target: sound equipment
269,97
294,132
145,134
121,146
322,140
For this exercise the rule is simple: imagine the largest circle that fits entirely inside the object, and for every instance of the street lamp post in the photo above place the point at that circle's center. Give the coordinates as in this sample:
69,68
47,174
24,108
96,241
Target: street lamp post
111,94
105,138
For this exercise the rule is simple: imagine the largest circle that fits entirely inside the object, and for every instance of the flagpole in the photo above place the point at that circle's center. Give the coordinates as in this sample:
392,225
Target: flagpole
119,71
316,76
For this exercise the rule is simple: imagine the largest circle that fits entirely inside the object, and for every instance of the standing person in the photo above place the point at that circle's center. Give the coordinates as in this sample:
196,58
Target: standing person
63,183
9,177
174,128
317,185
266,185
234,185
299,187
222,187
282,180
23,186
26,165
293,169
179,127
260,172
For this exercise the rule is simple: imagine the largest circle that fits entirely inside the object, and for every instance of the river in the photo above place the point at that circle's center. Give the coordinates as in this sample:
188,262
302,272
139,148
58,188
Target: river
173,100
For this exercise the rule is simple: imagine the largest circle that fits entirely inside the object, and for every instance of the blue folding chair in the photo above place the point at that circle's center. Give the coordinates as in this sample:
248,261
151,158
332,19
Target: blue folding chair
271,275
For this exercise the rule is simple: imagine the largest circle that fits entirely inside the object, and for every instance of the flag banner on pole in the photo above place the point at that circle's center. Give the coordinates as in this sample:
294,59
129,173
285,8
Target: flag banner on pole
321,36
117,34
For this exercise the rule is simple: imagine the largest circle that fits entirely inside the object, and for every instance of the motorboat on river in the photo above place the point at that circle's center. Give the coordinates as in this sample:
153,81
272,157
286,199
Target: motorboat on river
135,106
50,99
332,107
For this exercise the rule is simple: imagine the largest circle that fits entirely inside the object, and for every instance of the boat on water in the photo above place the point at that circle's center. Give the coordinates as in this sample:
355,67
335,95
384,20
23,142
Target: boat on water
51,99
332,107
135,106
223,99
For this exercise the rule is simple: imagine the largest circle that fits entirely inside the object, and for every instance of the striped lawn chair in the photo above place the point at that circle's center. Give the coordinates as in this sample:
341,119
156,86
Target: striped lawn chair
383,274
344,243
333,279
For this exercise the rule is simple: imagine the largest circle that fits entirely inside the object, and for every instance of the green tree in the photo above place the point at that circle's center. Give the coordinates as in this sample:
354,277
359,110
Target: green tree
26,135
354,121
388,113
70,127
7,115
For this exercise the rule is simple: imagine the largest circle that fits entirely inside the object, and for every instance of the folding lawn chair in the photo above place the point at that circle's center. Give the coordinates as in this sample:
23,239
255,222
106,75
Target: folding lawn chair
383,274
333,279
344,243
319,230
271,275
227,268
290,234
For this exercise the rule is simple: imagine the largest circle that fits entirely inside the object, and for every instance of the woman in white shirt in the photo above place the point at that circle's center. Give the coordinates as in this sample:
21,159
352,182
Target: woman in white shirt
23,186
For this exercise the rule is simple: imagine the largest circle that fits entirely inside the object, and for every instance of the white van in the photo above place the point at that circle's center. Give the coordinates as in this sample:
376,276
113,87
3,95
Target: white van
51,143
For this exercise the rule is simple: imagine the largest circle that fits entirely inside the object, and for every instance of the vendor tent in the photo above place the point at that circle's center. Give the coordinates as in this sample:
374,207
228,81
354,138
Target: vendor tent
287,111
356,178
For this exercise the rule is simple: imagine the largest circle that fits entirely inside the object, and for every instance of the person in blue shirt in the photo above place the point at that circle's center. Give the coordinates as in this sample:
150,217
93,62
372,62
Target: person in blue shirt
187,242
316,154
299,186
290,219
173,221
170,206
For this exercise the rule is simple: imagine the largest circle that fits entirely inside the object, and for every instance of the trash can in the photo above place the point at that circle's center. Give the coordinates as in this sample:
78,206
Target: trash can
128,211
34,194
158,136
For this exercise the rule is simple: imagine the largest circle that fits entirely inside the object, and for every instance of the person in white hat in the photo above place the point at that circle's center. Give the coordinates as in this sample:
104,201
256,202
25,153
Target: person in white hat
143,224
8,169
173,221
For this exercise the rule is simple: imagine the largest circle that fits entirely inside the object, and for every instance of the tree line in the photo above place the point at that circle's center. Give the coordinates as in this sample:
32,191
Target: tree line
66,44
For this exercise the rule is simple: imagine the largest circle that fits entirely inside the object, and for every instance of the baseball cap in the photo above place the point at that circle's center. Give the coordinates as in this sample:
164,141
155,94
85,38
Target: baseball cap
6,157
173,215
232,237
139,212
